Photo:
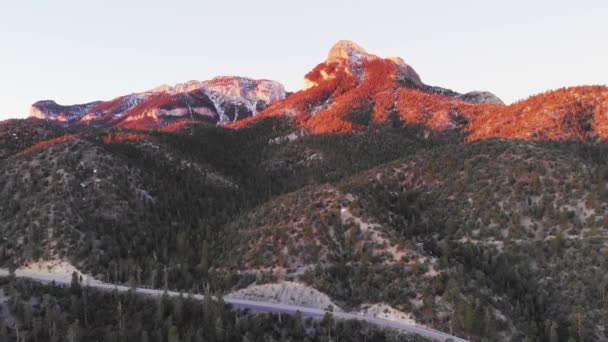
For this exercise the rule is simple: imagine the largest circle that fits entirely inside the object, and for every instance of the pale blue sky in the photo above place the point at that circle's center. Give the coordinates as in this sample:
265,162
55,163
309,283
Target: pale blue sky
76,51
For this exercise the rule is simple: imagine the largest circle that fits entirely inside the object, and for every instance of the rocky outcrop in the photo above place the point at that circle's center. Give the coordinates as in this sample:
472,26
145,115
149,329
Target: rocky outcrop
347,50
50,110
482,97
219,101
246,88
231,86
350,56
406,73
286,292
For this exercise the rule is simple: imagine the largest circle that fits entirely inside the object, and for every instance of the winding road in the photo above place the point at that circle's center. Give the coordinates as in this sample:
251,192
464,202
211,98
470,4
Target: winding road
241,304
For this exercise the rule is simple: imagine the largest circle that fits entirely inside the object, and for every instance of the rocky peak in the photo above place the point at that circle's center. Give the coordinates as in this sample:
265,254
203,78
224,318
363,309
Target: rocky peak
347,50
230,86
483,97
247,88
51,110
351,57
351,79
220,100
405,72
179,88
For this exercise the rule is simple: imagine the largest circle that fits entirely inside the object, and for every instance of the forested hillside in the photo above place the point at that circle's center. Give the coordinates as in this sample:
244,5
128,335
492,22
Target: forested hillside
368,189
78,313
496,239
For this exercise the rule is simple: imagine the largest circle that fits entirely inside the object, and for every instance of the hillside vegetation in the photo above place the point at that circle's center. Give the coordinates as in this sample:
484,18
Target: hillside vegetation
42,313
495,240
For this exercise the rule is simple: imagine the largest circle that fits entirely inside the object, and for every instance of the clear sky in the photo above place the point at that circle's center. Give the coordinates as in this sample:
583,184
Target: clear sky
75,51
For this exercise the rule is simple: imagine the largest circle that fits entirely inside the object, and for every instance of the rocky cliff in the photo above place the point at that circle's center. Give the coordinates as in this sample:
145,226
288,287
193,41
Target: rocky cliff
218,101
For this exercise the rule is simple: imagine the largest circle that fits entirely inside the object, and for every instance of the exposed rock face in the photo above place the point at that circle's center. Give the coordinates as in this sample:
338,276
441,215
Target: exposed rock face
246,88
347,92
237,97
347,50
50,110
287,292
405,72
238,87
484,97
220,100
353,81
351,57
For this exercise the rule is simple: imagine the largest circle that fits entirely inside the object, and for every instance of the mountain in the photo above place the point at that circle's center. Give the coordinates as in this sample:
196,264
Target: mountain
217,101
351,80
353,89
466,215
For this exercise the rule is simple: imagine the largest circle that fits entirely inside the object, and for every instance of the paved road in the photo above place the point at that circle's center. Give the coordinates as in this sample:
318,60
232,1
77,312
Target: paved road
248,304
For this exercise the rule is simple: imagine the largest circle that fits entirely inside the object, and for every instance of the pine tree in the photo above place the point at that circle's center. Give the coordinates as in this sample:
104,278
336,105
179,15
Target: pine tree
204,263
328,321
298,328
173,334
578,316
428,300
3,335
219,328
553,336
73,334
75,284
144,337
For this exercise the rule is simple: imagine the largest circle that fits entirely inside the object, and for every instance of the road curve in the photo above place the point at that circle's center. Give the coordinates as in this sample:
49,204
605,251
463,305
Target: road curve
242,304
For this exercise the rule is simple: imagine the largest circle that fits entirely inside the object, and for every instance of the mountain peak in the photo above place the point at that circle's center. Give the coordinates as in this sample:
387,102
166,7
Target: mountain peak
351,80
220,100
346,49
350,57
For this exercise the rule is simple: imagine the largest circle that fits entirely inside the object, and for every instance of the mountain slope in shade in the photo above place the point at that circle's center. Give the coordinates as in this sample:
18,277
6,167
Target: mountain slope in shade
217,101
19,135
353,89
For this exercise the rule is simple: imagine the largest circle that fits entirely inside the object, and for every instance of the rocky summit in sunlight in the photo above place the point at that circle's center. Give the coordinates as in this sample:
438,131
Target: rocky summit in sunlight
353,90
351,57
350,91
217,101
